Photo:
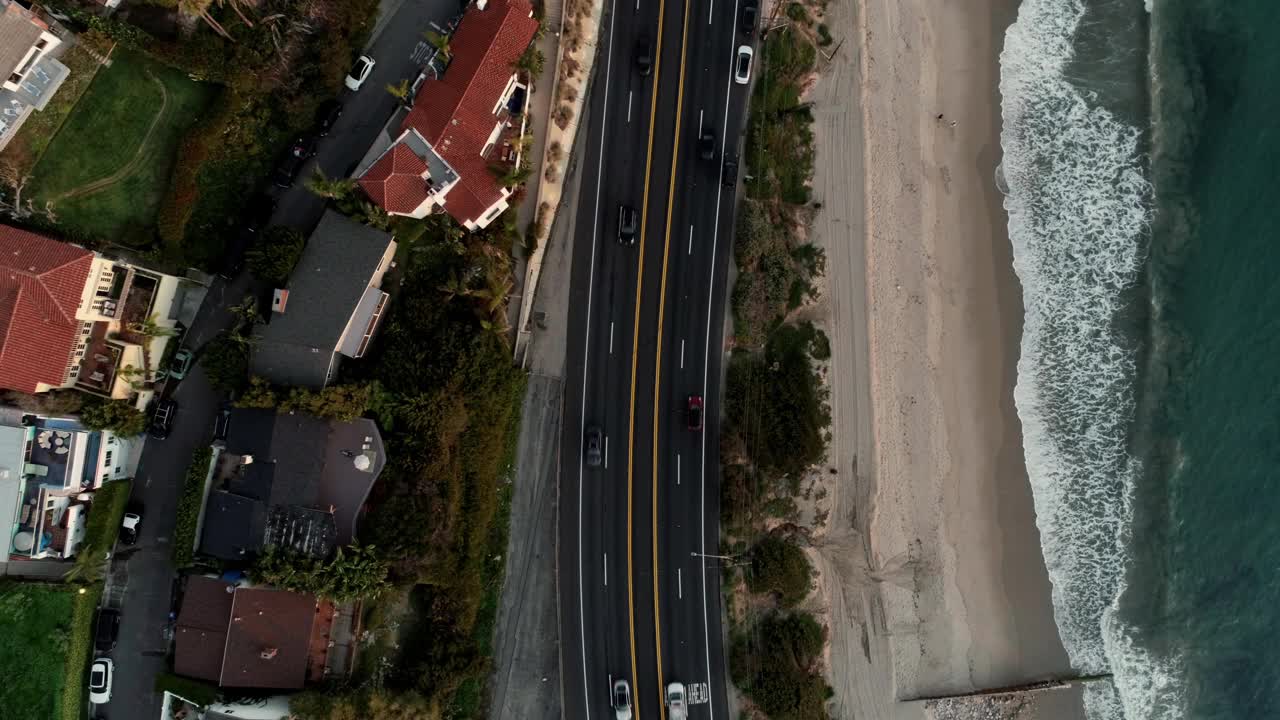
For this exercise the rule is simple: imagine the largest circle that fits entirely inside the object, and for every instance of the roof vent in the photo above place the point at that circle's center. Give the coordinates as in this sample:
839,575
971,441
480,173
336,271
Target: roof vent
279,299
268,653
246,459
480,4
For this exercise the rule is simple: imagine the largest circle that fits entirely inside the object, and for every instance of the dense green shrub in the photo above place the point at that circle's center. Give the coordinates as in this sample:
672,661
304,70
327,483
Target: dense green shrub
777,665
276,253
353,572
79,650
225,360
775,404
189,505
780,568
103,525
118,416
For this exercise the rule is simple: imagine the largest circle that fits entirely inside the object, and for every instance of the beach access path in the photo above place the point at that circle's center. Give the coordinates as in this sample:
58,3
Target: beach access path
930,574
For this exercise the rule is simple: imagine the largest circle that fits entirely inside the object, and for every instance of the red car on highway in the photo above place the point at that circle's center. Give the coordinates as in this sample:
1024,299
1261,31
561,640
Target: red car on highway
694,414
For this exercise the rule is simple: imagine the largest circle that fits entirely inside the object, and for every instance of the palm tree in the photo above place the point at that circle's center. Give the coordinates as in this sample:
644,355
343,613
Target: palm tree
327,187
439,42
400,90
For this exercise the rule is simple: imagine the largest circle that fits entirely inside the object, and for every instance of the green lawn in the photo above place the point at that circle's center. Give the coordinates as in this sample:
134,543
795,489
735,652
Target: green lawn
45,637
121,136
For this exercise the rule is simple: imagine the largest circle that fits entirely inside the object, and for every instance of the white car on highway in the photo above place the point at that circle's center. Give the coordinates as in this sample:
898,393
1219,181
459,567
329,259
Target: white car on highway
742,66
621,700
676,708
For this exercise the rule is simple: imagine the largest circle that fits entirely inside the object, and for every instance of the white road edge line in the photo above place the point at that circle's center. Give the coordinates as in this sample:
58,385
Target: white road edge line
679,584
690,241
606,452
586,356
677,468
629,94
699,121
711,10
706,367
681,353
606,584
610,337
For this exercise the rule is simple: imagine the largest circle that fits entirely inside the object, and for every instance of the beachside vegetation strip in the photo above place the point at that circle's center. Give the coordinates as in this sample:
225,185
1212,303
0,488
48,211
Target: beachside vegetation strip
103,526
776,413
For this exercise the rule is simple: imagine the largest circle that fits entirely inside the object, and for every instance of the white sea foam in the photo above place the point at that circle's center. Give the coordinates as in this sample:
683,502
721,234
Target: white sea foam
1079,206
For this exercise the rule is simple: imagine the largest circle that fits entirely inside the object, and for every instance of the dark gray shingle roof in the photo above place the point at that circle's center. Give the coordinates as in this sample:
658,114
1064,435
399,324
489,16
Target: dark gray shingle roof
296,347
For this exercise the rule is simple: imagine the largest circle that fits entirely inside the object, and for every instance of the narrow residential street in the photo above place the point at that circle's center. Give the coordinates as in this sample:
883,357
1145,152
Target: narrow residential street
142,579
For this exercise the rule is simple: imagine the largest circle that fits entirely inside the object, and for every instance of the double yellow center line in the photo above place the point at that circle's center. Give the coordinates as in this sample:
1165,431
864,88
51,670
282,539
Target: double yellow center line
635,346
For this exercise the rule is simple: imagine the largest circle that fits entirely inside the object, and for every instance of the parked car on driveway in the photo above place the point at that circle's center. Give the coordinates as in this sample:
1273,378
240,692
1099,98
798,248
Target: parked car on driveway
162,420
749,16
181,364
104,639
326,115
130,527
299,152
100,681
360,72
742,66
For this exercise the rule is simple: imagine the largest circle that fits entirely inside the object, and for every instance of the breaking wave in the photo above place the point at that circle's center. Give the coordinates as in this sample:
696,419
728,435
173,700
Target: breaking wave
1080,210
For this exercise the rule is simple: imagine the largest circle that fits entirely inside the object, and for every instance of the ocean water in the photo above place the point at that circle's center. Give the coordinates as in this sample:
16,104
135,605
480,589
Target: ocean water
1140,145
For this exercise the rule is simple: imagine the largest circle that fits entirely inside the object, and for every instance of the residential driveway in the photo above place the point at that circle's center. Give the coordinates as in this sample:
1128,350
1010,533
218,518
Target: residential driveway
399,51
142,577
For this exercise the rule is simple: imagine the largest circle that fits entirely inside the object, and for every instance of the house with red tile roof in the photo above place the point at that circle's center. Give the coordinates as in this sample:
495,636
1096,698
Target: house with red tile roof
458,129
70,317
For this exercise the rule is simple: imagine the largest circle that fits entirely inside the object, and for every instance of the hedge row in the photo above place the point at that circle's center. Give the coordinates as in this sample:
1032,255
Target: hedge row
184,534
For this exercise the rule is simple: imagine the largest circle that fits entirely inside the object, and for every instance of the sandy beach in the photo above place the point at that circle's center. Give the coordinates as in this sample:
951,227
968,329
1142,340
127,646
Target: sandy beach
931,575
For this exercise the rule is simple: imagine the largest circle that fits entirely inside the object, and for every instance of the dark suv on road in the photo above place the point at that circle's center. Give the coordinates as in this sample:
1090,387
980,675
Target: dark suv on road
108,630
729,176
644,56
628,224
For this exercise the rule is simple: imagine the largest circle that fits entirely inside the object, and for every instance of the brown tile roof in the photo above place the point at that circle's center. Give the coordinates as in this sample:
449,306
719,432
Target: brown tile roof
455,113
201,635
267,642
41,280
395,181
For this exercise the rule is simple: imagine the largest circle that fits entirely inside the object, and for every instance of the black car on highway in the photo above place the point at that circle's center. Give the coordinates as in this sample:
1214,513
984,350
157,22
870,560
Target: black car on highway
594,446
707,144
628,224
729,176
644,56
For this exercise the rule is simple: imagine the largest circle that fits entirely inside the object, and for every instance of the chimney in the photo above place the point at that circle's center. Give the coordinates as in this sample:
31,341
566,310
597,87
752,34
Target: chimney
279,299
268,653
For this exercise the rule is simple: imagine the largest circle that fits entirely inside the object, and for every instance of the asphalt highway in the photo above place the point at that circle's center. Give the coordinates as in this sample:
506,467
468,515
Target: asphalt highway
637,599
